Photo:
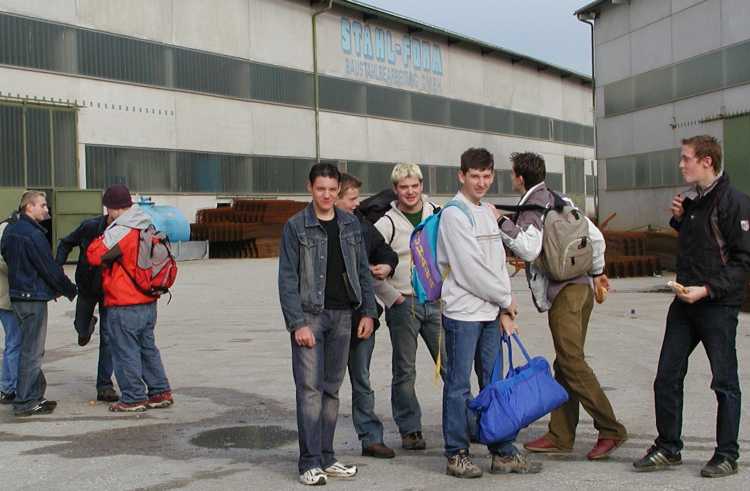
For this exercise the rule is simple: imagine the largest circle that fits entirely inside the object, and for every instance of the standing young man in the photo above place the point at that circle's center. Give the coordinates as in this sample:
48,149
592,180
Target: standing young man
33,280
12,350
383,262
713,221
476,292
323,277
406,318
90,293
131,313
569,304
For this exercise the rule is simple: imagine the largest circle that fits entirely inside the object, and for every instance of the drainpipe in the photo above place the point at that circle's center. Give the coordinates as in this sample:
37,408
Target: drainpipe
316,76
589,19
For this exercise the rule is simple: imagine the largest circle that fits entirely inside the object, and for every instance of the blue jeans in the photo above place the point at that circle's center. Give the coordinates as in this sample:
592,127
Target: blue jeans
406,323
467,344
32,317
716,327
82,323
318,374
138,367
368,426
12,351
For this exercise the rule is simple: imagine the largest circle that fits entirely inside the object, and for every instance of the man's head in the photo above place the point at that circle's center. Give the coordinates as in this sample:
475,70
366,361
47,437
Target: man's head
477,173
34,205
117,200
527,170
323,185
348,199
700,159
407,184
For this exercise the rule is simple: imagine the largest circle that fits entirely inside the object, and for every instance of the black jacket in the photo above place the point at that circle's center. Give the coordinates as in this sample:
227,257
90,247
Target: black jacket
33,274
88,278
714,242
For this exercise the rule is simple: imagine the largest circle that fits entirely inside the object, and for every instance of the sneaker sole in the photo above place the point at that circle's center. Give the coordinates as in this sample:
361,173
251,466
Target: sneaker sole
605,455
377,455
547,450
341,476
534,468
462,476
656,468
714,476
320,482
139,409
159,405
26,414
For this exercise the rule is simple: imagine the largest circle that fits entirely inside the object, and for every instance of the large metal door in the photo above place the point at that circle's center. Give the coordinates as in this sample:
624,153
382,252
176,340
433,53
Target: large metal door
9,199
737,151
71,207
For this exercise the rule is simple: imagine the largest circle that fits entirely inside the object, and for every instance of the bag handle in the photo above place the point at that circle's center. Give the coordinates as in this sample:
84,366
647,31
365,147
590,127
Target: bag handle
520,345
497,369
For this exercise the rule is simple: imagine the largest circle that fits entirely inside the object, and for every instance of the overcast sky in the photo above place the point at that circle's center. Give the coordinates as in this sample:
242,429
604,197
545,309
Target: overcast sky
544,29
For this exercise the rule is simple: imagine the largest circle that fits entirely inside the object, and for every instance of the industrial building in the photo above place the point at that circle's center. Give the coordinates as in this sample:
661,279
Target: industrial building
194,102
666,70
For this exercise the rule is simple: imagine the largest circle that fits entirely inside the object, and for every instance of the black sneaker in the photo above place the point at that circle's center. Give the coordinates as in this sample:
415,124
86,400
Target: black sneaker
413,441
107,395
84,340
43,407
7,397
656,459
719,466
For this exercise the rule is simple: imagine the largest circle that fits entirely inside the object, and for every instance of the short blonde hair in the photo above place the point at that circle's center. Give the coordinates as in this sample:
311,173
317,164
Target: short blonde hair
28,198
404,170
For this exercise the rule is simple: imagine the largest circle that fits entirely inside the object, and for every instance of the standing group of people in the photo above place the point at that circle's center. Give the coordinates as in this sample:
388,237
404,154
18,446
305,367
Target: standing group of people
30,277
335,270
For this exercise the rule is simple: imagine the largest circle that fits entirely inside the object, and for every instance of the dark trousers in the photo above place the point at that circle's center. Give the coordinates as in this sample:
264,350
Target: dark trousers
716,327
367,424
318,374
82,323
32,320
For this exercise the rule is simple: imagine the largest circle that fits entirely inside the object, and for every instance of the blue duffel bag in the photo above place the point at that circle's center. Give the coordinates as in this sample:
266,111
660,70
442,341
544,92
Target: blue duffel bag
506,405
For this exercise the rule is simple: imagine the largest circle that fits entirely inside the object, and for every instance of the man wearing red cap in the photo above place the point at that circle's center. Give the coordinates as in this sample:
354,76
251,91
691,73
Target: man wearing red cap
131,313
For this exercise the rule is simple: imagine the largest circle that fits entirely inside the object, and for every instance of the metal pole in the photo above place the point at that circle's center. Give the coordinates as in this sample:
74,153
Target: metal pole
316,76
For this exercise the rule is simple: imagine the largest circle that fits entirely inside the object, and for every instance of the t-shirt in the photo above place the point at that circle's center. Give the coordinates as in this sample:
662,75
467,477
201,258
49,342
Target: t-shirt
414,218
336,296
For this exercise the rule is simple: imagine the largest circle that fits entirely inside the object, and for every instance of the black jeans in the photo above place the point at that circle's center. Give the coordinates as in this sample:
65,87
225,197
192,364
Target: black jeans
716,327
84,313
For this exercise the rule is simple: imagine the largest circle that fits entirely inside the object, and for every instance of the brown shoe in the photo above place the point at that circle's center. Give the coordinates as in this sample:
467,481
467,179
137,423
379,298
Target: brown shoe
544,445
604,447
379,451
413,441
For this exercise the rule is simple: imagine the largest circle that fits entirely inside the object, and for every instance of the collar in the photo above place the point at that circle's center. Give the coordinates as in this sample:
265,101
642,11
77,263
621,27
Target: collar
531,191
704,191
27,218
311,220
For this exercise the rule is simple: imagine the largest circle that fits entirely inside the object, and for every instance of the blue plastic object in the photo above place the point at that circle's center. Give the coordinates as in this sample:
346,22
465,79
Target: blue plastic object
527,393
167,219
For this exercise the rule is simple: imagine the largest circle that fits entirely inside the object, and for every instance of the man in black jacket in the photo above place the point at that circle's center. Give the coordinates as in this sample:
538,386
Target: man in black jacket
33,280
713,221
383,261
89,282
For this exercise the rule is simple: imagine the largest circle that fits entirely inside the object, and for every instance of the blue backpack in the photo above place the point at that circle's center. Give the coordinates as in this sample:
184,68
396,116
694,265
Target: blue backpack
426,279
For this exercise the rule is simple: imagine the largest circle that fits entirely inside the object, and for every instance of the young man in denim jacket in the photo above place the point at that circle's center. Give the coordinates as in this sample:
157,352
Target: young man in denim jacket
324,276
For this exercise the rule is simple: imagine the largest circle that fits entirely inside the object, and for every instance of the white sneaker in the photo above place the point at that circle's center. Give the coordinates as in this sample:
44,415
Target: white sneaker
337,469
313,477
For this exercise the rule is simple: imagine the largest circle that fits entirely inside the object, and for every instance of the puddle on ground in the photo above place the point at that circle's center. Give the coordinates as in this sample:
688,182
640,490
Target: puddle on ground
252,437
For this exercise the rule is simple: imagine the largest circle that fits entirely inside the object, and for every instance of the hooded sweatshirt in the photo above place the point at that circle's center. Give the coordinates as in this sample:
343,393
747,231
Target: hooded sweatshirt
116,251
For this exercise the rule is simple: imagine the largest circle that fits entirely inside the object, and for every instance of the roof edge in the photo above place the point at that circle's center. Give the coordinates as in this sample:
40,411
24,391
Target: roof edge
455,37
591,7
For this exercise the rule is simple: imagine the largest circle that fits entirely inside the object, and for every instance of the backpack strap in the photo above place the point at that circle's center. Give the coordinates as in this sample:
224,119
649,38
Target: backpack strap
393,229
461,206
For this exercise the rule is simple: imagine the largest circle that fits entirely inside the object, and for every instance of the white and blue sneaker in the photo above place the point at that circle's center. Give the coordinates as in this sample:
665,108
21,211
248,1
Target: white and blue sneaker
339,470
313,477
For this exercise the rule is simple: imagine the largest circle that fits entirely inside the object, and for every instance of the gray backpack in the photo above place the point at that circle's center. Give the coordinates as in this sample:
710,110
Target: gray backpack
566,249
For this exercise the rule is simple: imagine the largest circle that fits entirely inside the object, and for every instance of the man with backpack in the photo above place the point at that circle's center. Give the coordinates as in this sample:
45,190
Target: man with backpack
476,293
89,283
713,258
407,319
33,280
131,309
383,262
324,277
562,286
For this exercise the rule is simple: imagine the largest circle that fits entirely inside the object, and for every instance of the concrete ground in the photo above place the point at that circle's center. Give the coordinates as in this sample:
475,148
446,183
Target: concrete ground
233,425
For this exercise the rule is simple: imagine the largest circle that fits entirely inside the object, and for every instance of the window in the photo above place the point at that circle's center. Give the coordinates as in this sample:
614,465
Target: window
466,115
645,170
276,84
337,94
375,176
119,58
209,73
11,146
554,180
701,74
446,180
590,185
389,103
575,180
430,109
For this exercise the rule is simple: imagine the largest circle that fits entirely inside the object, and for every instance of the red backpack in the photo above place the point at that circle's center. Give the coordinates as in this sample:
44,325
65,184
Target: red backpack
156,267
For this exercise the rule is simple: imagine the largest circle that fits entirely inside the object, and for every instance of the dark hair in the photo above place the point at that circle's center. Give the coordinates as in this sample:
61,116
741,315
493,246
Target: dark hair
324,170
706,146
530,166
348,182
476,158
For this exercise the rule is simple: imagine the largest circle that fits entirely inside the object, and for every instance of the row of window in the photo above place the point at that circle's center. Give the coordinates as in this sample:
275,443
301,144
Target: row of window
37,147
646,170
42,45
168,171
710,72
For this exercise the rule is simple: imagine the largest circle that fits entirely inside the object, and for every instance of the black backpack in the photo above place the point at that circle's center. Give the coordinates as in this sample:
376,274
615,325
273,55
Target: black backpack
374,207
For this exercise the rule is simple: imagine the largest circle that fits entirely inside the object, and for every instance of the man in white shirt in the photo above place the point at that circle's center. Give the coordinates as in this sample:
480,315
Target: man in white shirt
476,292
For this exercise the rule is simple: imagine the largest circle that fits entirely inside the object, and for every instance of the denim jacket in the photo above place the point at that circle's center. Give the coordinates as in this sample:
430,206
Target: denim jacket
302,266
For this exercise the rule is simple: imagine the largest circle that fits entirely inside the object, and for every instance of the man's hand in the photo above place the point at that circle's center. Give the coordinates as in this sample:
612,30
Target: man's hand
304,337
512,309
601,281
693,293
365,327
401,299
507,324
498,213
381,271
677,210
